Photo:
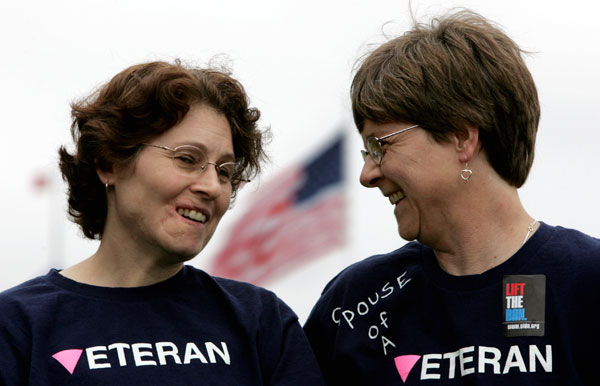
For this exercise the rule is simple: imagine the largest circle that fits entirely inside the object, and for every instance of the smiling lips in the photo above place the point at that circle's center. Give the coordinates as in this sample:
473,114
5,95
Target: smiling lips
192,215
396,197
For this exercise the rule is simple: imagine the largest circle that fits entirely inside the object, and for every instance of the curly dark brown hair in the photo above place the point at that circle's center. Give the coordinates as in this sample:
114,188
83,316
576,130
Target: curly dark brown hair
458,69
136,106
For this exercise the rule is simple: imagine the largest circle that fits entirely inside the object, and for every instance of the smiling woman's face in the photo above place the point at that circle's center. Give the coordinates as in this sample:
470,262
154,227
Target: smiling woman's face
418,175
150,198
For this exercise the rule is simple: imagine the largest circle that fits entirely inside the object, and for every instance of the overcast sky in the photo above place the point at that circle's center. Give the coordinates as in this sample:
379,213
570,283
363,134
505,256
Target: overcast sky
295,59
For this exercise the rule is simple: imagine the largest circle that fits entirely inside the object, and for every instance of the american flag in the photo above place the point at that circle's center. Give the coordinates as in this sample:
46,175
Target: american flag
297,216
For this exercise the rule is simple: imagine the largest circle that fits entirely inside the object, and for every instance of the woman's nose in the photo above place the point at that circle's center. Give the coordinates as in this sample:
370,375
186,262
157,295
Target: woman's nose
208,182
370,173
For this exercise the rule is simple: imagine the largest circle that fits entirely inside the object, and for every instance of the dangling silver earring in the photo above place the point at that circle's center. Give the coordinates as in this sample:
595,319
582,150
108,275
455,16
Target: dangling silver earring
466,173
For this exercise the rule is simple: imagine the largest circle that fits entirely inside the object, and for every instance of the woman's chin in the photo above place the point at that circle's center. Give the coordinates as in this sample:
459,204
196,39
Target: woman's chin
184,253
407,231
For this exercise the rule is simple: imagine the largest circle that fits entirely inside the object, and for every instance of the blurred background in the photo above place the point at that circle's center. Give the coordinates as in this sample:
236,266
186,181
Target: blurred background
295,59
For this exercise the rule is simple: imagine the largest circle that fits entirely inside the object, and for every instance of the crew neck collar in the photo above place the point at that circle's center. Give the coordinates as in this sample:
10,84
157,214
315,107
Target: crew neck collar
148,292
523,258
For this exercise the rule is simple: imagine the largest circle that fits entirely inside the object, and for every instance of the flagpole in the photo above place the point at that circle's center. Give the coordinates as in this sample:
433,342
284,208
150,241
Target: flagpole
348,229
56,233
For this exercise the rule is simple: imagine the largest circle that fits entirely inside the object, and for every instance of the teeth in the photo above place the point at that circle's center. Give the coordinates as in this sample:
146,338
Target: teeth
395,197
192,214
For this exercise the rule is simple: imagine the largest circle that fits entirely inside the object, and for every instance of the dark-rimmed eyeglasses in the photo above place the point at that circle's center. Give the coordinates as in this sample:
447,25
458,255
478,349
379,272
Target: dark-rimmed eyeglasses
374,145
191,160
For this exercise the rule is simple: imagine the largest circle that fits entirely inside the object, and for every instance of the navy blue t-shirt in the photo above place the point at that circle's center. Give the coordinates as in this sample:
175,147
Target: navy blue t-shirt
399,319
192,329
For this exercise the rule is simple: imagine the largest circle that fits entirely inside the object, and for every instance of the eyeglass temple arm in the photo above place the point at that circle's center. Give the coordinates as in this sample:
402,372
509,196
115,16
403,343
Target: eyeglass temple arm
397,132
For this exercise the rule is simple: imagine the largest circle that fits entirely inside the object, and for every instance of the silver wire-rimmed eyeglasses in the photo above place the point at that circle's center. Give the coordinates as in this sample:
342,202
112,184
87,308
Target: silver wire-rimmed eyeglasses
192,160
374,145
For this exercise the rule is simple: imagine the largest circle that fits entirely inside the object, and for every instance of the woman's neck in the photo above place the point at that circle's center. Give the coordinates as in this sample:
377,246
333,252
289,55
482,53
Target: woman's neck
486,232
114,266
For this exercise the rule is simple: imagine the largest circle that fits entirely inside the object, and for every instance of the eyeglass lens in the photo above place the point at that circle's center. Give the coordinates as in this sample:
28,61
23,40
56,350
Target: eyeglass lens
374,149
192,160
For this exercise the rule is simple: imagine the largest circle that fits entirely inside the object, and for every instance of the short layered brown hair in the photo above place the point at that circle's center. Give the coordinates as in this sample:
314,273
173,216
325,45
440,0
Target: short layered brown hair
137,105
458,69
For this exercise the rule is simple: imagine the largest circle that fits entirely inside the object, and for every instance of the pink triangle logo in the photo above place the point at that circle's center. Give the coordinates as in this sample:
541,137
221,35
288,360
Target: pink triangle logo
404,364
68,358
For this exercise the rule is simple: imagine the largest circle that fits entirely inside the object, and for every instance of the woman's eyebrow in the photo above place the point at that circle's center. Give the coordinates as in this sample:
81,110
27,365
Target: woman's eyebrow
226,157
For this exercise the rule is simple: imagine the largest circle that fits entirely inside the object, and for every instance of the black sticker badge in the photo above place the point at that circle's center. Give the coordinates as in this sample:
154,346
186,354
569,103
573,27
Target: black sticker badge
524,305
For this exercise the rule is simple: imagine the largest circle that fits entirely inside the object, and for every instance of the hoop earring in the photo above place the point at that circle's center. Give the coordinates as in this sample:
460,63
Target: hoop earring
466,173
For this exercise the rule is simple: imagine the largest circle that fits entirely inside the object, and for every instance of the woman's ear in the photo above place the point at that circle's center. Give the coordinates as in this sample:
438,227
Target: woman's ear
107,176
466,142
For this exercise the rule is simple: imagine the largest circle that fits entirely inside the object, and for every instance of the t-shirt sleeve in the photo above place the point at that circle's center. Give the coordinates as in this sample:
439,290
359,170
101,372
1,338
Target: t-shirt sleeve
319,329
287,358
14,346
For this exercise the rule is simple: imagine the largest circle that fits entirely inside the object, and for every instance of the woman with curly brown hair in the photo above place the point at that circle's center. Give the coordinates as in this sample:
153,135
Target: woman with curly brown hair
161,151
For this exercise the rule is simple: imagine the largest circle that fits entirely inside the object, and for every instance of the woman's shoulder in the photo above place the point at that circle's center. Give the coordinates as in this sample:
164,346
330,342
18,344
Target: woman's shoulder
240,294
25,292
570,253
380,267
571,242
230,286
404,257
30,300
